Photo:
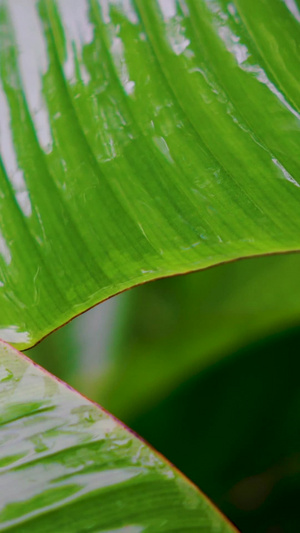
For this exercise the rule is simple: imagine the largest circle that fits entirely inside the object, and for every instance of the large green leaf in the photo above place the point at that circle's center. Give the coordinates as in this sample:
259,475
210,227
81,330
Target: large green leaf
140,139
68,466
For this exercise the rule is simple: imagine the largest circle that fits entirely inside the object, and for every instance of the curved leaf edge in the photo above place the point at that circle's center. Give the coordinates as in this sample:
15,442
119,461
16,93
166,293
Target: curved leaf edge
138,283
21,356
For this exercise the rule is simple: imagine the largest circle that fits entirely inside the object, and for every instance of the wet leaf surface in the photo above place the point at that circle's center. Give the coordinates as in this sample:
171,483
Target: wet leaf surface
140,140
66,465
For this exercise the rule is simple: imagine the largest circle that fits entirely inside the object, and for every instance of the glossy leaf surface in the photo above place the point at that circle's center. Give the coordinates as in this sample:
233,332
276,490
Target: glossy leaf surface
140,139
68,466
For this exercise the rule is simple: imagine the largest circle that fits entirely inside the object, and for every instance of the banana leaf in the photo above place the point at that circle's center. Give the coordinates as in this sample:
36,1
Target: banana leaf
140,140
67,465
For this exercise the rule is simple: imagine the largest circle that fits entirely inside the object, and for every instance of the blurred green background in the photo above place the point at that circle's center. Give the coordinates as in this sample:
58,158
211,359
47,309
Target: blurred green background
206,368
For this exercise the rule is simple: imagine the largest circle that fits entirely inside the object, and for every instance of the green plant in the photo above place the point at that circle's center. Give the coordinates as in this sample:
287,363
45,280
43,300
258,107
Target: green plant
139,140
